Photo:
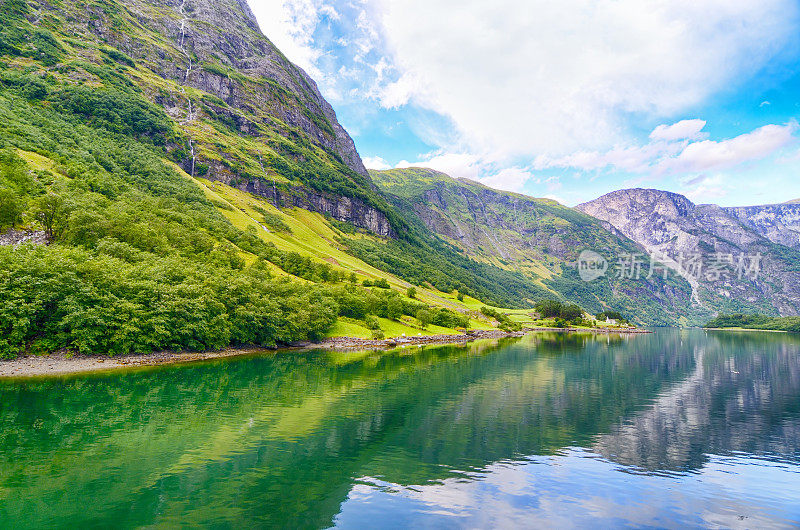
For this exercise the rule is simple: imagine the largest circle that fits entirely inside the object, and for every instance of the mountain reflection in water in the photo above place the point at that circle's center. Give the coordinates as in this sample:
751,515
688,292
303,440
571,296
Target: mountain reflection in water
658,430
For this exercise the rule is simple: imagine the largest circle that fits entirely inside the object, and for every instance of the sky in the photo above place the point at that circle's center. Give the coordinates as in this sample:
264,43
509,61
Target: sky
568,100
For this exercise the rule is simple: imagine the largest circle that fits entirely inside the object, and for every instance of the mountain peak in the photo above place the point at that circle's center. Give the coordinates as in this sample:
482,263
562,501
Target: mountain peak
640,201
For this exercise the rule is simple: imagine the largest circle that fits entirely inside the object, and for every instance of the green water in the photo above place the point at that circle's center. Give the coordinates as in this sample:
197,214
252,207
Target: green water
672,429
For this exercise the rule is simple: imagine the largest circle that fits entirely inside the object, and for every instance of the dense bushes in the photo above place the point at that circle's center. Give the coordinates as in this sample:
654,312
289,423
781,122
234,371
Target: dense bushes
117,110
92,302
556,309
20,39
361,304
380,283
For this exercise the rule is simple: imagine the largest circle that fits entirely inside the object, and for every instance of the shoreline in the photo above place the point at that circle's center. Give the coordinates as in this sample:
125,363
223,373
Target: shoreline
61,364
748,330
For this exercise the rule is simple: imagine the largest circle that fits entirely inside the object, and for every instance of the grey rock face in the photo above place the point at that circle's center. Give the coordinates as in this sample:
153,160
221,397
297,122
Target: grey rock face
351,210
669,224
780,223
23,237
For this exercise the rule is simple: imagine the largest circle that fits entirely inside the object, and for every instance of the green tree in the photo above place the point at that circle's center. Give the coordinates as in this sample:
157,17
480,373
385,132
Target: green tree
382,284
11,208
411,292
571,312
549,308
425,318
394,308
53,214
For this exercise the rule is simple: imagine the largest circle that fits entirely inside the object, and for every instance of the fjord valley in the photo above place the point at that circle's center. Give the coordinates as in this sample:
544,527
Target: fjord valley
213,314
171,181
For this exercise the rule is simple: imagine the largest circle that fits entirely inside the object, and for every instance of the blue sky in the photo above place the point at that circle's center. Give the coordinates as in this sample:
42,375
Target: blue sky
569,99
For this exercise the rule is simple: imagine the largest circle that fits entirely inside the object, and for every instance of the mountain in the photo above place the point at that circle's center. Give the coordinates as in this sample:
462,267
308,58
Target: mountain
248,115
196,191
537,237
670,225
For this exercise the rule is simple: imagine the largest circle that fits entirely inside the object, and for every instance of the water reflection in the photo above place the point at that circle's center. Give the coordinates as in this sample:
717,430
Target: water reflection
743,396
297,439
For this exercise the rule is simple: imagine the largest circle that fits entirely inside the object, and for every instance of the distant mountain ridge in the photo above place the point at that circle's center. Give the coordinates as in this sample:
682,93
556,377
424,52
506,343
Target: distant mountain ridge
780,223
670,224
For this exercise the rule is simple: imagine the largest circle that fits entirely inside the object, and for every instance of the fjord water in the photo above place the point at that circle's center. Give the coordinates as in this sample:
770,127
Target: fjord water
671,429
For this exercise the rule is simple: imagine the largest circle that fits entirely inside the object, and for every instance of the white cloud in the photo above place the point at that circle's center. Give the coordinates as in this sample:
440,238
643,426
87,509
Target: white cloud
673,151
683,130
376,162
457,165
629,158
397,93
705,189
290,25
330,12
509,179
554,77
725,154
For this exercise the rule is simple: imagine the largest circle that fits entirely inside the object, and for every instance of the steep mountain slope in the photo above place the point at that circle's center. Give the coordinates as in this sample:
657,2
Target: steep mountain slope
671,225
197,79
538,237
195,191
245,114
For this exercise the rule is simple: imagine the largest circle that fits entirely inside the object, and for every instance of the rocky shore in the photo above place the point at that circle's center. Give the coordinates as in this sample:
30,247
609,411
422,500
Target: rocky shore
352,343
62,364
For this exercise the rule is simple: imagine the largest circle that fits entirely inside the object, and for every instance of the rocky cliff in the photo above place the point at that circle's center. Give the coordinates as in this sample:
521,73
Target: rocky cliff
714,248
216,46
350,210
